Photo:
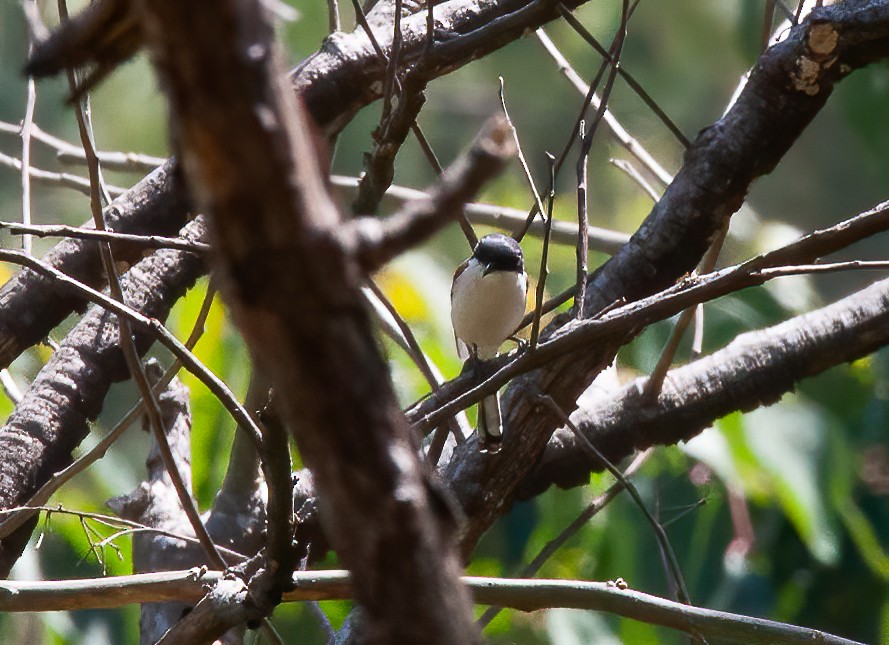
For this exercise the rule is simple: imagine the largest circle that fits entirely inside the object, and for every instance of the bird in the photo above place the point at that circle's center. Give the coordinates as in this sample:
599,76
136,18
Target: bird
488,297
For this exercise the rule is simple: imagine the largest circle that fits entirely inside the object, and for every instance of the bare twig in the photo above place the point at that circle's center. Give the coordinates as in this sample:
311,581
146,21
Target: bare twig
624,138
47,177
630,170
510,219
656,379
521,155
189,360
544,267
663,541
575,24
54,483
147,241
550,548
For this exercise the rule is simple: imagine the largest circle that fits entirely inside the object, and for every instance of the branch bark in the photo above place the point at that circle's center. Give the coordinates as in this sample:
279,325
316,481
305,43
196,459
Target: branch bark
295,293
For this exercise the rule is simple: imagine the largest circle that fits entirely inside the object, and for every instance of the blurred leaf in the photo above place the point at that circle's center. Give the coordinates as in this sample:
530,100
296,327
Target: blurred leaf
576,627
789,440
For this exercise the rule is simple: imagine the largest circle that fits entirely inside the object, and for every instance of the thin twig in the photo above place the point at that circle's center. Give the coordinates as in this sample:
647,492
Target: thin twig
333,16
506,218
550,548
582,247
9,386
114,521
584,33
624,138
26,153
630,170
64,179
521,155
544,269
68,153
54,483
659,373
660,534
148,241
154,327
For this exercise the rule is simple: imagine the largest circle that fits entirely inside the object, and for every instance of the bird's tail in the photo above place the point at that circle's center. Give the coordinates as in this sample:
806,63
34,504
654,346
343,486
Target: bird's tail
490,426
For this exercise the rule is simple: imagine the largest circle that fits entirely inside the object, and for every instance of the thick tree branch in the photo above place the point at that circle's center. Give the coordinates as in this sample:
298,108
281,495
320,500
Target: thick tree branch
295,292
788,87
755,369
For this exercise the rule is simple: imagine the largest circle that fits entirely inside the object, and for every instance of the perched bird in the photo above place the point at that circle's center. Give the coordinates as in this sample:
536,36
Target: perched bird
487,303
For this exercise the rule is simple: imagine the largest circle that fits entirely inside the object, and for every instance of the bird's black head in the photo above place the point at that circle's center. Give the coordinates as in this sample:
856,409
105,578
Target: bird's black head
499,252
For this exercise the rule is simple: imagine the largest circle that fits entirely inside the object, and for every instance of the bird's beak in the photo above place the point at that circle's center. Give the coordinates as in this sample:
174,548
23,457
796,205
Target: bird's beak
488,269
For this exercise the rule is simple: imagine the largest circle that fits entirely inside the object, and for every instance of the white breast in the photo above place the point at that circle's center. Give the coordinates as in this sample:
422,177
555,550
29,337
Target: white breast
486,309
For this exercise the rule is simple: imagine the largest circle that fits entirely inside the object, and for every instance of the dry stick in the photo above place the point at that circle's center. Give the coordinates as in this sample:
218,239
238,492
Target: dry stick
660,534
569,531
114,521
524,595
408,342
827,267
589,99
765,34
54,483
390,82
521,155
26,152
544,269
582,224
465,226
55,178
656,380
600,239
152,326
9,386
149,241
567,147
630,80
585,147
127,344
71,154
617,130
430,25
412,347
333,16
630,170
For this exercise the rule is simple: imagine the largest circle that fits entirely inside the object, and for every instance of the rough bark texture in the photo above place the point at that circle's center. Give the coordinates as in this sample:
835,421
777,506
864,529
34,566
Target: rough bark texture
31,305
295,294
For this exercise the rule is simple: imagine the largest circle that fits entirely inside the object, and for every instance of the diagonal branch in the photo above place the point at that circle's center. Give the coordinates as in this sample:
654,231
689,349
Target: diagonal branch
295,293
755,369
790,84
